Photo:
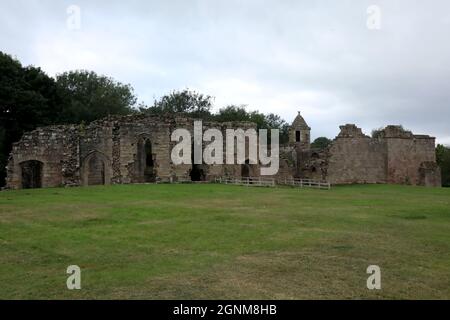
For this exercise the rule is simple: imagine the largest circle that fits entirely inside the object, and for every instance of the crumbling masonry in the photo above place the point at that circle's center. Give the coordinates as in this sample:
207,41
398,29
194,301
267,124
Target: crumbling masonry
137,149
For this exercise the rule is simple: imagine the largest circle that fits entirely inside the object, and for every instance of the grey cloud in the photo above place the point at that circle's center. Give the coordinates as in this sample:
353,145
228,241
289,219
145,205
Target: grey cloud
275,56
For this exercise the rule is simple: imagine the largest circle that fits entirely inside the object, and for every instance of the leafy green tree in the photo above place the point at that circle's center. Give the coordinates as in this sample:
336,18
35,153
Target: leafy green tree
28,98
198,105
186,102
273,121
321,143
90,96
443,160
232,113
269,121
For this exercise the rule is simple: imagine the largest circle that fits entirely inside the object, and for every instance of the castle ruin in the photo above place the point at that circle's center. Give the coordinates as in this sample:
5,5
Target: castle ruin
137,149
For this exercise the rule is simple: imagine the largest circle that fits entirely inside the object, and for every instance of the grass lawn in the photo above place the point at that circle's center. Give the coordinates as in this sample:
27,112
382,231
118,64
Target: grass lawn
225,242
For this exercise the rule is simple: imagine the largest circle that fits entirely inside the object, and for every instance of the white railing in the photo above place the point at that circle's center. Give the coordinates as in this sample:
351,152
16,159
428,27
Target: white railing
248,181
271,182
305,183
187,180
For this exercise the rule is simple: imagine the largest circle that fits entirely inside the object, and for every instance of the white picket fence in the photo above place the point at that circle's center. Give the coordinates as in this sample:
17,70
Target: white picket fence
187,180
259,182
306,183
271,182
248,181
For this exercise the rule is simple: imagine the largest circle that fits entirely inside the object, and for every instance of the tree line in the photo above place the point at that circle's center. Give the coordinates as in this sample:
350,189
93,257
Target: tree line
29,98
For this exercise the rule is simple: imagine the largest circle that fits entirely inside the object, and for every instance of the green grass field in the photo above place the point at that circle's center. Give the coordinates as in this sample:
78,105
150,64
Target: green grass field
225,242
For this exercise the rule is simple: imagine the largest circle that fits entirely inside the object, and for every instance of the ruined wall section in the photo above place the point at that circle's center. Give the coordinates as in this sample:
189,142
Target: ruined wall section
317,168
70,162
356,158
406,154
96,141
430,174
118,138
235,170
214,170
182,171
55,147
394,156
110,151
288,163
131,132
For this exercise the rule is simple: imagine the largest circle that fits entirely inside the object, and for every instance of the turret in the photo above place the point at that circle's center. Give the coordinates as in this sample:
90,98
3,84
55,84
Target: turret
299,133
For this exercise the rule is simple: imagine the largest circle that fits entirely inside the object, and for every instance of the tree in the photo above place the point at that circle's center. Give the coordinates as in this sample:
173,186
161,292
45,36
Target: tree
28,98
376,133
269,121
321,143
232,113
186,102
443,160
197,105
90,96
273,121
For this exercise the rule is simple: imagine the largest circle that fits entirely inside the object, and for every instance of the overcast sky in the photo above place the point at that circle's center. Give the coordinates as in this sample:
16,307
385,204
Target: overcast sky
332,60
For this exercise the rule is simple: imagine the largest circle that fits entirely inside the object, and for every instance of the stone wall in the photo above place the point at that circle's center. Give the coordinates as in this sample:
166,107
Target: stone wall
406,153
110,151
394,156
107,152
53,147
356,158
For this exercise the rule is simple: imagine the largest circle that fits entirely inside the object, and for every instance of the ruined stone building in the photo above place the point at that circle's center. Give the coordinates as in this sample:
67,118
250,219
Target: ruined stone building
137,149
394,156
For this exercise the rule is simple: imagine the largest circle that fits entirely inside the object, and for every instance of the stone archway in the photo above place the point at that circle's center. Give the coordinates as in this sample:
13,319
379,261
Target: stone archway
96,169
145,161
31,176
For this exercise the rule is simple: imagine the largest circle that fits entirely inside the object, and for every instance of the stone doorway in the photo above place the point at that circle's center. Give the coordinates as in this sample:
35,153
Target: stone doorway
95,169
245,169
31,174
197,173
146,161
96,175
